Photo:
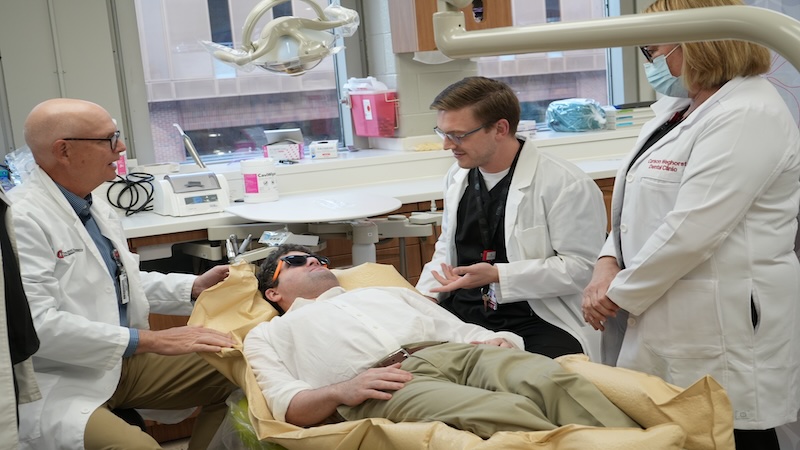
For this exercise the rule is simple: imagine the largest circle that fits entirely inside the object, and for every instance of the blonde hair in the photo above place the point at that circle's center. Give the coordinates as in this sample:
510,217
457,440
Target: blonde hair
710,64
490,100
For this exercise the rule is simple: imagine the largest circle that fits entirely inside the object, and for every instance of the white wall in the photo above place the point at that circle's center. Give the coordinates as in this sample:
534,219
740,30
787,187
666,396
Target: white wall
69,57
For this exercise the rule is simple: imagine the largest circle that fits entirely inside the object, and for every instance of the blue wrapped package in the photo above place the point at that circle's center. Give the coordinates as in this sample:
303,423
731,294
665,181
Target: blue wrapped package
575,114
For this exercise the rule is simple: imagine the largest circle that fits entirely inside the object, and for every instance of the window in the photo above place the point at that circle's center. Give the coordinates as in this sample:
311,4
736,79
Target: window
220,20
540,78
223,109
553,10
226,110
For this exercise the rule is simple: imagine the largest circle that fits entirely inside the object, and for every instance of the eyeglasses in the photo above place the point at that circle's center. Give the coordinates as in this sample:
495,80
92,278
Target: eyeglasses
112,140
297,260
456,138
647,54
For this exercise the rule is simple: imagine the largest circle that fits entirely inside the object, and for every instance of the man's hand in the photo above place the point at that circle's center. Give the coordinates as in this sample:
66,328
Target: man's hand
497,342
183,340
313,406
210,278
373,384
596,305
465,277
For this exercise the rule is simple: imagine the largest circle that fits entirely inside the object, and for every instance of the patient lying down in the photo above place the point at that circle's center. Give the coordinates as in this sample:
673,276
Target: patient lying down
337,351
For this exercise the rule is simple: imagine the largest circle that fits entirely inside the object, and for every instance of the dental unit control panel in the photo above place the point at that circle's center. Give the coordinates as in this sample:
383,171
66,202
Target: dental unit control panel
190,194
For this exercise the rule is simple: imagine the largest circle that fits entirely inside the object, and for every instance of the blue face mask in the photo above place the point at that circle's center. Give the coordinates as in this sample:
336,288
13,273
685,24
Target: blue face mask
659,76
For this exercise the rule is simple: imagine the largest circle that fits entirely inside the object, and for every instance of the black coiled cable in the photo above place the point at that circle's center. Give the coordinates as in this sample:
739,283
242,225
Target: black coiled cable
138,186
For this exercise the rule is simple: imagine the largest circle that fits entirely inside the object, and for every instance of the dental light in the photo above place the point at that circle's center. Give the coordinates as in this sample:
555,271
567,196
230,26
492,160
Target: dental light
748,23
288,45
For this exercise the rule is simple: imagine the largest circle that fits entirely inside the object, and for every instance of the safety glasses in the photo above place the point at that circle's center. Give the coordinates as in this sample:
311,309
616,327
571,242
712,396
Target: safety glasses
456,138
297,260
646,52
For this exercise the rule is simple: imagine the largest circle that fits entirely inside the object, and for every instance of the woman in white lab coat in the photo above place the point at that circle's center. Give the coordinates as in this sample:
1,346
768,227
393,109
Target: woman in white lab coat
703,225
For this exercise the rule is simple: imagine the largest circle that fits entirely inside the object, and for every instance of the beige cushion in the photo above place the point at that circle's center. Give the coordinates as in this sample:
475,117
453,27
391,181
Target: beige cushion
699,417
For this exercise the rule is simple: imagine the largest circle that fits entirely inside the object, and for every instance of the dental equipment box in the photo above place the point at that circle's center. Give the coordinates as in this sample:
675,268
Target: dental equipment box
324,149
190,194
284,144
276,238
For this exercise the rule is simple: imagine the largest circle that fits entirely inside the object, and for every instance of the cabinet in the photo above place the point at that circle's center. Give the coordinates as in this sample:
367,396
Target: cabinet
606,186
411,22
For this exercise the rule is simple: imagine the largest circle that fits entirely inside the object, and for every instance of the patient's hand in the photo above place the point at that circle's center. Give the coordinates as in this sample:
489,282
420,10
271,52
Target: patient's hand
373,384
313,406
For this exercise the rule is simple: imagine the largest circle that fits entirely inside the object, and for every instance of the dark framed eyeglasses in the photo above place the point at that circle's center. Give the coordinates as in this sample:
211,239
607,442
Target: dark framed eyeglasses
112,140
456,138
297,260
646,53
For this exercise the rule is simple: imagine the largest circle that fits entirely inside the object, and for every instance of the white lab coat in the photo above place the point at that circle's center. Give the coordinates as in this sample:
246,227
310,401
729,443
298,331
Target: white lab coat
29,391
705,221
75,312
554,227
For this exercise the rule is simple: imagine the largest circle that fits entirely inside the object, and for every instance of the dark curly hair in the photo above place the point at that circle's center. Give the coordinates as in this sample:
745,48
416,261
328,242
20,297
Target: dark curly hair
267,268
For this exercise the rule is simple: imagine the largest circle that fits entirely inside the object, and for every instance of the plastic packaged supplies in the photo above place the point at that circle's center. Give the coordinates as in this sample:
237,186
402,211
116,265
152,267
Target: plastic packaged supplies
236,432
20,164
575,114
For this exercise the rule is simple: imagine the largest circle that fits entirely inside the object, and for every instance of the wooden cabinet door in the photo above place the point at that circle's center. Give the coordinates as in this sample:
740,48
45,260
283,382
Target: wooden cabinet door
411,22
606,186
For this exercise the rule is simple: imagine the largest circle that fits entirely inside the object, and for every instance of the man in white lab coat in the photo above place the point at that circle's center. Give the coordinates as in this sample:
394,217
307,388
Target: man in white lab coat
521,228
90,303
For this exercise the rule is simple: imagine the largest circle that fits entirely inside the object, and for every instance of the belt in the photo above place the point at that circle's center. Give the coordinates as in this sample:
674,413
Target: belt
404,352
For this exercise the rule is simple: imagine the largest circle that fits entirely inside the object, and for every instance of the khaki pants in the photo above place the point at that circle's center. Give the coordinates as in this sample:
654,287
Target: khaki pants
485,389
160,382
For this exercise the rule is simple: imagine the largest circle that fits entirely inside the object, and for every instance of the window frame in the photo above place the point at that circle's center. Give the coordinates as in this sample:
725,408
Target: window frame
624,74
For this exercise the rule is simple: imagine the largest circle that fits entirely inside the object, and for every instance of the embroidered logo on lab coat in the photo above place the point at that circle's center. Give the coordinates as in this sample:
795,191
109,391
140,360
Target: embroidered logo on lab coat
665,165
61,254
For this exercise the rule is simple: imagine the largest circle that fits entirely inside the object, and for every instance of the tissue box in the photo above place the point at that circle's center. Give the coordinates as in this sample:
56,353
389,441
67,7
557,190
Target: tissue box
324,149
284,150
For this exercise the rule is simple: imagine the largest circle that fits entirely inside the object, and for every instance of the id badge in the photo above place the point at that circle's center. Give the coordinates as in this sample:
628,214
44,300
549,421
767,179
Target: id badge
489,300
124,293
488,256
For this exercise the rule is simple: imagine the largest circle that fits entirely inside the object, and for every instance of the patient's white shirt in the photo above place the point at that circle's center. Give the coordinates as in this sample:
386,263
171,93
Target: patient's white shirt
343,333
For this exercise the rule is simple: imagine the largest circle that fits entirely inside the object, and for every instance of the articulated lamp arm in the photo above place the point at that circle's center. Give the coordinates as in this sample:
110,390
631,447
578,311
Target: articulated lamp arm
289,45
748,23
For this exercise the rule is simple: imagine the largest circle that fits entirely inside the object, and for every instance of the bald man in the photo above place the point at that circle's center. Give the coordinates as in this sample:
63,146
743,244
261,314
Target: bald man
90,302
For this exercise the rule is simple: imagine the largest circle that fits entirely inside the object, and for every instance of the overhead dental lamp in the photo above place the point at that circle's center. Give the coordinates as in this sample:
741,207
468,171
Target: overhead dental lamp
749,23
288,45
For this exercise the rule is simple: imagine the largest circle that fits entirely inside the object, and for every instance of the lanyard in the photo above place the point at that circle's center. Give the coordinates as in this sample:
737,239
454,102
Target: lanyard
122,276
489,230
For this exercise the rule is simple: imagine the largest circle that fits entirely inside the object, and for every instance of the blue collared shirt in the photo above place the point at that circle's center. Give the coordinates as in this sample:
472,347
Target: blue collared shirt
82,207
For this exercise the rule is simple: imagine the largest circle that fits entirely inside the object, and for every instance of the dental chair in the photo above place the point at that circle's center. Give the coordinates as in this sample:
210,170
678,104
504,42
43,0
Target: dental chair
698,417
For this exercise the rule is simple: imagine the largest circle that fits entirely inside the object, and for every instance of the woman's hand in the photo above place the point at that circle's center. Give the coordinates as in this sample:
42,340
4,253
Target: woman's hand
596,305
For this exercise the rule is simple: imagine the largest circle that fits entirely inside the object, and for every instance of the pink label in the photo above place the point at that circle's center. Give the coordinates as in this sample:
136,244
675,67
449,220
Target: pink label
122,165
250,183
